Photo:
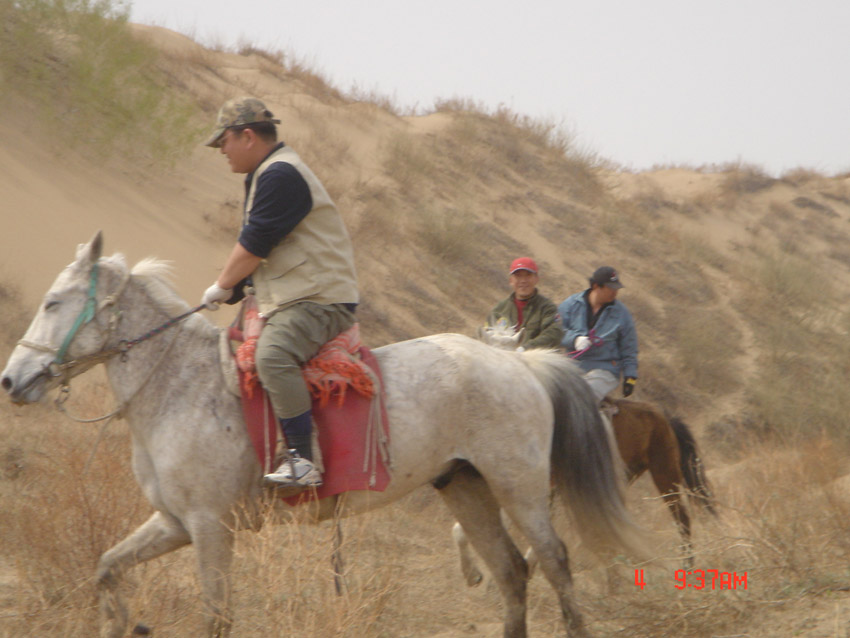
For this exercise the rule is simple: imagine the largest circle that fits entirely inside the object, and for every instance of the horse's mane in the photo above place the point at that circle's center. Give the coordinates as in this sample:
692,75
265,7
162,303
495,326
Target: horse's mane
155,275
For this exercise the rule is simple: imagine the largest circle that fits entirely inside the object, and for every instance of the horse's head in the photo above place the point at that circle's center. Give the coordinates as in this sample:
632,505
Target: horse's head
501,335
66,327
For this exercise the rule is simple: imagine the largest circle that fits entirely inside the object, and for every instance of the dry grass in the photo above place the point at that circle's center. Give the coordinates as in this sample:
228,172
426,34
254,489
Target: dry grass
784,513
704,349
433,230
744,179
66,503
407,162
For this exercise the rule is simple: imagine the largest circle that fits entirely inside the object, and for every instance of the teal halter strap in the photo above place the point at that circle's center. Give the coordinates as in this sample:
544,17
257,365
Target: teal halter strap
86,315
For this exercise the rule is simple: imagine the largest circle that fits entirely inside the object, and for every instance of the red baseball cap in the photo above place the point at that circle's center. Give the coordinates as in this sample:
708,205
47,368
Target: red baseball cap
523,263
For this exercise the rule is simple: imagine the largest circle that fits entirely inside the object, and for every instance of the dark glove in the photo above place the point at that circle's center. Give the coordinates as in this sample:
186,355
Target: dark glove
629,386
239,291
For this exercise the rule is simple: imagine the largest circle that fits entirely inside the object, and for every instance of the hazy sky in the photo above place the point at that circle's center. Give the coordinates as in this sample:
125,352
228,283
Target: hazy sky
638,82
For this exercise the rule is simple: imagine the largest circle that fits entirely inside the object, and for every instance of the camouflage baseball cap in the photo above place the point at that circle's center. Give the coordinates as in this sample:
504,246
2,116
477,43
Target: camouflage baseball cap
239,112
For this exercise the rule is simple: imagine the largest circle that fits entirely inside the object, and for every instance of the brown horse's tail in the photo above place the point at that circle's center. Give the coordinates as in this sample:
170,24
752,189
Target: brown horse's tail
692,468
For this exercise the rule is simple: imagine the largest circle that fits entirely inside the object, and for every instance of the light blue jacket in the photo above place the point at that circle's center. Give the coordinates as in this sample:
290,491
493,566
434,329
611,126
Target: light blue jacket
618,350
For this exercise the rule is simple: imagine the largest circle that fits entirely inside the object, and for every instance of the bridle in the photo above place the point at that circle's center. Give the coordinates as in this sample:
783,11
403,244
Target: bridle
59,368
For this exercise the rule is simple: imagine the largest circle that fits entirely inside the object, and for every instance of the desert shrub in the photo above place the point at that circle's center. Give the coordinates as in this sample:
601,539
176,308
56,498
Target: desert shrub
528,146
684,282
778,212
798,388
701,251
782,527
78,61
744,179
378,214
653,201
69,500
297,594
274,58
704,351
311,78
801,176
447,234
809,203
786,287
406,161
800,400
840,252
837,191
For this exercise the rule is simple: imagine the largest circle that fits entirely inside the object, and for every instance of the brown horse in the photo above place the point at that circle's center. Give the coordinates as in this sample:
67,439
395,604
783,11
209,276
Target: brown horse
647,440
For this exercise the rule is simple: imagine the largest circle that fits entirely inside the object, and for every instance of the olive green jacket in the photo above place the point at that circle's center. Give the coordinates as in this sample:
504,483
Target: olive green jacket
539,318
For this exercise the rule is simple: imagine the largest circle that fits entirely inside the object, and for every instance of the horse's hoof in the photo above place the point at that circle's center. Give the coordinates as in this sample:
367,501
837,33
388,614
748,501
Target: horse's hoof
142,630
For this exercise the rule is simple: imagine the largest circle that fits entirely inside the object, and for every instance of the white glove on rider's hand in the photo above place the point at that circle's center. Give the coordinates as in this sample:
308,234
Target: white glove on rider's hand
582,343
214,295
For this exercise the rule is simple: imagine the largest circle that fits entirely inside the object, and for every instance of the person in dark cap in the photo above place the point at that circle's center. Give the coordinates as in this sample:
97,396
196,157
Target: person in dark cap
527,309
296,254
600,334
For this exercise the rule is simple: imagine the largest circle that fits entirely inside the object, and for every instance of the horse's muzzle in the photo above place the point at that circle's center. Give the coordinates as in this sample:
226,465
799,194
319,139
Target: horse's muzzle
29,392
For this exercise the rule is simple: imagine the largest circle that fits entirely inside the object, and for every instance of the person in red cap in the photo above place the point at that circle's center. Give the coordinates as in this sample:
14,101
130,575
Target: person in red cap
527,309
600,334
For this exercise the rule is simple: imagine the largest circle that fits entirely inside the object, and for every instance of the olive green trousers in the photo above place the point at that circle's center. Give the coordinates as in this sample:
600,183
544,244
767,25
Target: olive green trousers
290,338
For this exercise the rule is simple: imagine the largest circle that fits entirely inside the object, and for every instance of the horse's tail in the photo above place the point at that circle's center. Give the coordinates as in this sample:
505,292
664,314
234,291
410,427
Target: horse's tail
692,468
584,469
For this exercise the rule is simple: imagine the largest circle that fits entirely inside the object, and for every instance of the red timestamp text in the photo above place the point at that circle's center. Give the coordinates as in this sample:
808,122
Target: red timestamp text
701,579
709,579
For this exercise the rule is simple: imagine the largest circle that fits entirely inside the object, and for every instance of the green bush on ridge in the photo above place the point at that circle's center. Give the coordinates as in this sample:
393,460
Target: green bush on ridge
77,61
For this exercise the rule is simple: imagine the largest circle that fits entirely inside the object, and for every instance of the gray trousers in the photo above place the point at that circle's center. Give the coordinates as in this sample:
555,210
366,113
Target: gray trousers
290,338
601,382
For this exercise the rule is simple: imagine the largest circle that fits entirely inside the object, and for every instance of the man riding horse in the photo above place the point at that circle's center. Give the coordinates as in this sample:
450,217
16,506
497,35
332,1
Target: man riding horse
525,309
295,251
600,334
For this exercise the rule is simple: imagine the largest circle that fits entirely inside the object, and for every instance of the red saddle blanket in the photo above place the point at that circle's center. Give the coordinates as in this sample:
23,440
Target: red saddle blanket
351,451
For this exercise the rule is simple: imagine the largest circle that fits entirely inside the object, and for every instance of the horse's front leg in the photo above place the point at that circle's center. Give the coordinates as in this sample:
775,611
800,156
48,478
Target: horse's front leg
213,540
158,535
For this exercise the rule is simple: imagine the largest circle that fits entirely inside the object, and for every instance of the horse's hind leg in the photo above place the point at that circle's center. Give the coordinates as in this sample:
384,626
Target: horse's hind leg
468,567
155,537
470,500
470,570
551,553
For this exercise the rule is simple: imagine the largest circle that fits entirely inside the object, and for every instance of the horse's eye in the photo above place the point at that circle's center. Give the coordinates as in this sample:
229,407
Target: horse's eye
50,304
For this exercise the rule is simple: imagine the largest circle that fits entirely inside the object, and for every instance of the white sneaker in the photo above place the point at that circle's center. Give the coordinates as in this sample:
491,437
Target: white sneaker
294,472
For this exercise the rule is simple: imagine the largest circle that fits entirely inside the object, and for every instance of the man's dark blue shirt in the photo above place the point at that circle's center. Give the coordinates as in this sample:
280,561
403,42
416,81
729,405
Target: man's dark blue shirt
281,200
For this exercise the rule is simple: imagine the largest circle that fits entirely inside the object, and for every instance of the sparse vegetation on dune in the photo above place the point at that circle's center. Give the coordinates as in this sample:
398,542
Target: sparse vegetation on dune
737,281
75,63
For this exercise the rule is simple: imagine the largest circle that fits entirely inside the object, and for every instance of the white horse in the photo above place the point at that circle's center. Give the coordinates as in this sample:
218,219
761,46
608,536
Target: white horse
504,337
479,424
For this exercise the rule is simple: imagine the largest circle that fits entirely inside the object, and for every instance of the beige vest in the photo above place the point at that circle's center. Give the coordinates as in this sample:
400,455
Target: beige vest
315,261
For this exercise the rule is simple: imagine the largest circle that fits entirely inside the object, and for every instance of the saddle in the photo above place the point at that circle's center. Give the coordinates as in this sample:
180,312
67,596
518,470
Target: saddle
608,407
351,429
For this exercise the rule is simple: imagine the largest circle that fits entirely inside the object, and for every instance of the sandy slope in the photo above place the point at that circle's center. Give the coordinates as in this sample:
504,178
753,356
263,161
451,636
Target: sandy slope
54,199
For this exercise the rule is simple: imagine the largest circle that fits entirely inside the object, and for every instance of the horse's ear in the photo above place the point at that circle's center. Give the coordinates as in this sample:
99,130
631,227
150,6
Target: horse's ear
519,336
91,251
